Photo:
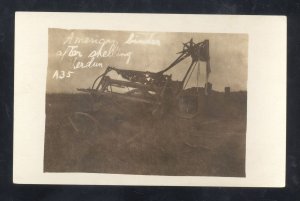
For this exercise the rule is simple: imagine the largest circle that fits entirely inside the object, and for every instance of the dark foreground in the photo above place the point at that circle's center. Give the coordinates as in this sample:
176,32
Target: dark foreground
212,144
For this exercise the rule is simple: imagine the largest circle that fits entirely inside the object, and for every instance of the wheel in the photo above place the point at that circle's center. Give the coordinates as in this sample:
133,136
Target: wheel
158,111
187,107
79,123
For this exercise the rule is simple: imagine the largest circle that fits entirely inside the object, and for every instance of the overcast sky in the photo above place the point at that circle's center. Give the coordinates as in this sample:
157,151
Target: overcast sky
77,57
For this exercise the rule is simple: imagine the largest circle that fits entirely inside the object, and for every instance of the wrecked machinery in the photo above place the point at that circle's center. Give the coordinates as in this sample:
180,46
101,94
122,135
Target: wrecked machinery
156,91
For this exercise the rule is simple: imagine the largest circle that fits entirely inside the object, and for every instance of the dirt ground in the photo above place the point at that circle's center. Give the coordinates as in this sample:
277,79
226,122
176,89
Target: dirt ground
211,144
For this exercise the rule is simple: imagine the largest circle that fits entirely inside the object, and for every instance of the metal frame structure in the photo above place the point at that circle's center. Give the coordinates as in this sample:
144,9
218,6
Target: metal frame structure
154,88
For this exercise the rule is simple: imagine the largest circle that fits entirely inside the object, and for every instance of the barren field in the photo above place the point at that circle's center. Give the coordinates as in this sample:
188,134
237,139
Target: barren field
212,144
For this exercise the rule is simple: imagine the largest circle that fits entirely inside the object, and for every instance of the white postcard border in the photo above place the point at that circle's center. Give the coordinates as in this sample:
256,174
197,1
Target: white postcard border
266,104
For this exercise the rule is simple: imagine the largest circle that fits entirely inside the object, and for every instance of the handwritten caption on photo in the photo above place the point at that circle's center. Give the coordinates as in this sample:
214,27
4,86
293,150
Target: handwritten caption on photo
100,49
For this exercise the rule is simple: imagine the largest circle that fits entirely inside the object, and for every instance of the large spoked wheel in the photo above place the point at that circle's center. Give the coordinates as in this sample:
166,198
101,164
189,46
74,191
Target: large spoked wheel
187,107
80,123
158,111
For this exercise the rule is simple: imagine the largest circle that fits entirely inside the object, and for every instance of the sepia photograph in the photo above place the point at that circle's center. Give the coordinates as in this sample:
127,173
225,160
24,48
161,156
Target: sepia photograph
146,103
